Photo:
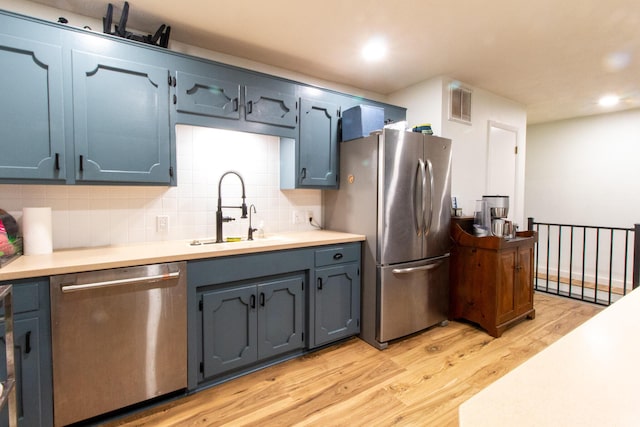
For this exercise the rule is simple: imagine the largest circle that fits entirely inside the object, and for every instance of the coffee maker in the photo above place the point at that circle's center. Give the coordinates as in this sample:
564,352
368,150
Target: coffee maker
498,207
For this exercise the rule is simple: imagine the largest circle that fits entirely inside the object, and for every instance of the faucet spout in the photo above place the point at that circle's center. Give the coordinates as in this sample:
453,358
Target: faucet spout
251,229
219,217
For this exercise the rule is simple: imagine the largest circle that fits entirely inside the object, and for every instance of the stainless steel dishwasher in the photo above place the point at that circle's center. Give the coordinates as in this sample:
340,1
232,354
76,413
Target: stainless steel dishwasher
119,337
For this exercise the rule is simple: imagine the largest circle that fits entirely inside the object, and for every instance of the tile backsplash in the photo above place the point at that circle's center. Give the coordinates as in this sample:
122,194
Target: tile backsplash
110,215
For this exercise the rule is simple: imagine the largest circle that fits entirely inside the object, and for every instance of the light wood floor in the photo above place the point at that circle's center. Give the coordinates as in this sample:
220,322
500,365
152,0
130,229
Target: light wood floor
419,381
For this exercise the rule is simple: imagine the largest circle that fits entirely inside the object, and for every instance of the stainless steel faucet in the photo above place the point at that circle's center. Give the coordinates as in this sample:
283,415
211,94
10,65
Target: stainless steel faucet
219,218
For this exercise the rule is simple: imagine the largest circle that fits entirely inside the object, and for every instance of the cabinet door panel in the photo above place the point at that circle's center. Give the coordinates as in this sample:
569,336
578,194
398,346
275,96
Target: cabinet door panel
270,107
337,303
121,120
280,316
31,107
207,96
28,376
505,292
318,144
524,277
229,329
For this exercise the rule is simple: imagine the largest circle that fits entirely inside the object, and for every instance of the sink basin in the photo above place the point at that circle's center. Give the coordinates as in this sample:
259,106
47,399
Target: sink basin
212,241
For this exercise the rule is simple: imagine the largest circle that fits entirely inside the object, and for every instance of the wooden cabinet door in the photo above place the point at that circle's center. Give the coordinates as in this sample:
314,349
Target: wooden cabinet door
318,144
337,303
506,304
524,280
120,120
229,329
31,106
280,314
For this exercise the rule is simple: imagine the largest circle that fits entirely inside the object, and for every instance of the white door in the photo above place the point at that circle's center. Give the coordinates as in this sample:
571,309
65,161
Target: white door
501,163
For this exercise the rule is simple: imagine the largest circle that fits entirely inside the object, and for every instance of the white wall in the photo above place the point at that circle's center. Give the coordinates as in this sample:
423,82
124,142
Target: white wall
585,171
428,102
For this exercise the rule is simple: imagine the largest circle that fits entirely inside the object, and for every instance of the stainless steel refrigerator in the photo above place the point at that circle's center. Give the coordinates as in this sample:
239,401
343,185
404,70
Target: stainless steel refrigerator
395,188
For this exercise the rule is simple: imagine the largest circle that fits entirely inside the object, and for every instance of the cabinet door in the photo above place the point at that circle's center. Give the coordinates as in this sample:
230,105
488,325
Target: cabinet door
271,107
31,107
337,303
28,374
206,96
121,120
228,329
506,304
280,310
524,280
318,145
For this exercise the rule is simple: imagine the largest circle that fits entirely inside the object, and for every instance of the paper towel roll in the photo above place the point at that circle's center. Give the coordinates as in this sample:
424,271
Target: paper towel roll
37,236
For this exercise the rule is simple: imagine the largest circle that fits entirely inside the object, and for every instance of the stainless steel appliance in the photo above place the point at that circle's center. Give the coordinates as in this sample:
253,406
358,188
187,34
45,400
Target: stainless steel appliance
395,188
118,337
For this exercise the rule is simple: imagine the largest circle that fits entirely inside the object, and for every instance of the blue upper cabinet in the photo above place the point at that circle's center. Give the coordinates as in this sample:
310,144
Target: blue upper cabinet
120,120
270,107
31,109
318,145
207,96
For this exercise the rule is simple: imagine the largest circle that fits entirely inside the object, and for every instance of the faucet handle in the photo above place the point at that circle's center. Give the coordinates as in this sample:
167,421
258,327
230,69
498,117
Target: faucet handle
227,219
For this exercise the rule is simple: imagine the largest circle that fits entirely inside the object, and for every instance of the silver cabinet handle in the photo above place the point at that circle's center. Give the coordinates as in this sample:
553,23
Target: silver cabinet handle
119,282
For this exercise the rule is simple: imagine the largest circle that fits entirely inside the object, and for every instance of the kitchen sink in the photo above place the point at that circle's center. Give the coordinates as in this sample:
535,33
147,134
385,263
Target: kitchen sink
212,241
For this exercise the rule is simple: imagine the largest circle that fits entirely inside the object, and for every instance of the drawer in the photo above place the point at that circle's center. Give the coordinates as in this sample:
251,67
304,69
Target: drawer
25,298
337,255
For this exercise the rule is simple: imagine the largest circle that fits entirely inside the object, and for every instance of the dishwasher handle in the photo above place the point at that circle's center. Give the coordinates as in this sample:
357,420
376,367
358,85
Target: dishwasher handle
69,287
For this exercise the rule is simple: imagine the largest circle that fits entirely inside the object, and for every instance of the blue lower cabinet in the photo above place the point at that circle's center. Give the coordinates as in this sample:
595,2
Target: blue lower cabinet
32,354
243,325
337,303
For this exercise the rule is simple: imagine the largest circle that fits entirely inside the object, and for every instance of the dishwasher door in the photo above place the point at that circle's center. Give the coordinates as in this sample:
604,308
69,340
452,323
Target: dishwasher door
118,338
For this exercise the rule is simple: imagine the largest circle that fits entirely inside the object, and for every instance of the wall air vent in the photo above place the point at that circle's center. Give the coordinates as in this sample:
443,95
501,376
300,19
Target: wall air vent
459,103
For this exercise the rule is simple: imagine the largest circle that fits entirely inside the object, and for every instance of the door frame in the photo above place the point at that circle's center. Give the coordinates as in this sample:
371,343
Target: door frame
515,205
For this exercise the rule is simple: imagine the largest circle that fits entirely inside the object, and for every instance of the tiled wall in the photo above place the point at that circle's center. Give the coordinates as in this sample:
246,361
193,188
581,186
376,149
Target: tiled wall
111,215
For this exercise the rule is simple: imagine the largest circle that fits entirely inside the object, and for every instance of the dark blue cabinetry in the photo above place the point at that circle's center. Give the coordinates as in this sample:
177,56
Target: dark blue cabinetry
244,324
83,107
32,353
31,108
336,294
249,311
120,119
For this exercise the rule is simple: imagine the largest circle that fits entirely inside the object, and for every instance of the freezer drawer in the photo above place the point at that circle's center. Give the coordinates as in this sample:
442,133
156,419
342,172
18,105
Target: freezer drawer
413,296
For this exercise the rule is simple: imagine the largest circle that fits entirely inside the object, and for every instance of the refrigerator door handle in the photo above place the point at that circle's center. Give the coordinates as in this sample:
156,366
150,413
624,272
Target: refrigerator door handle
429,220
418,211
414,269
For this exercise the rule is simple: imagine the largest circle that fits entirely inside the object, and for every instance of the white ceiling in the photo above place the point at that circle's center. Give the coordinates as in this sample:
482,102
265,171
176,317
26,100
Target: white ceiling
556,57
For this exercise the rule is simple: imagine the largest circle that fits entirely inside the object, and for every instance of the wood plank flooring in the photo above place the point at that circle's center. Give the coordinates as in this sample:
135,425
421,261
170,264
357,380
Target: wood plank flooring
418,381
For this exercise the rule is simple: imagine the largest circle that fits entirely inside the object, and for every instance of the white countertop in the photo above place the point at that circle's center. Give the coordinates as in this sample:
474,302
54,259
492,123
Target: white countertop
76,260
590,377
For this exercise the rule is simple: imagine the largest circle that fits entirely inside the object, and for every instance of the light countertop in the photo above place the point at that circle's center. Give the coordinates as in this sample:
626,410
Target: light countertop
589,377
76,260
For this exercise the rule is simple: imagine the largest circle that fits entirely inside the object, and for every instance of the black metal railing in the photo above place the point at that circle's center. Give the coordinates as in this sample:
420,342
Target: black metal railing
588,263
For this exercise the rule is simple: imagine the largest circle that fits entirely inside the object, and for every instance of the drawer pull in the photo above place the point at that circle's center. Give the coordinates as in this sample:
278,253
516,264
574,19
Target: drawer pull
337,256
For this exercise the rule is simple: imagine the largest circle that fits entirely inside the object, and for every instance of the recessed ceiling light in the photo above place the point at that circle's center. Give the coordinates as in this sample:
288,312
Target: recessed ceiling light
375,49
609,100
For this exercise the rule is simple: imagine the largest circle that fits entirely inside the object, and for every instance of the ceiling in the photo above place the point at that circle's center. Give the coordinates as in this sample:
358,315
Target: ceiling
554,57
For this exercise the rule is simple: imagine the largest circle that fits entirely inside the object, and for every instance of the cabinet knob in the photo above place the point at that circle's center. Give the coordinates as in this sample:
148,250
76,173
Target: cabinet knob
337,256
319,282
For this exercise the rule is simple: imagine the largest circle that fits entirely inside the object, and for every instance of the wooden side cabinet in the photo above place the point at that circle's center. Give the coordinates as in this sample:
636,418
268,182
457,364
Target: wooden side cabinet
491,278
